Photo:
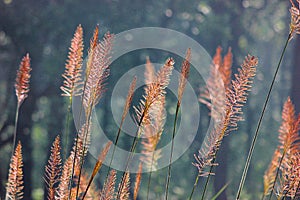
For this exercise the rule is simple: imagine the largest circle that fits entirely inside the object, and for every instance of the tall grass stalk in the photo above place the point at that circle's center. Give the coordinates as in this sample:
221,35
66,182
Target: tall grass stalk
67,127
76,143
249,157
172,148
150,175
185,70
15,129
88,120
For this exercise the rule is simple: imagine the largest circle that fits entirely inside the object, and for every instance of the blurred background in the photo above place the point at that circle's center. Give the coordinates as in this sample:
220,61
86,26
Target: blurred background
44,28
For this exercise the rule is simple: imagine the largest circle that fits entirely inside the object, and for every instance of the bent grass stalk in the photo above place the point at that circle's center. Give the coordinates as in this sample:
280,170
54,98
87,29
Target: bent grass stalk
249,157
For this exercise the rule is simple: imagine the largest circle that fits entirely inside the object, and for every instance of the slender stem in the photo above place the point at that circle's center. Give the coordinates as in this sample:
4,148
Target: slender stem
132,150
67,128
77,137
172,148
208,177
277,172
212,162
76,144
242,181
149,182
150,173
194,187
15,129
88,119
220,191
211,166
114,149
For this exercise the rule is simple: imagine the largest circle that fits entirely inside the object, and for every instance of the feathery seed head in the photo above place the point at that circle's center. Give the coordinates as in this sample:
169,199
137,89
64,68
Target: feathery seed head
22,79
295,19
72,75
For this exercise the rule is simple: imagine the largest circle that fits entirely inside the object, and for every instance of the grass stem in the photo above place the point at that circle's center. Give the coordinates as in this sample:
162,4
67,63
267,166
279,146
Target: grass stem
132,150
15,129
172,148
242,181
67,128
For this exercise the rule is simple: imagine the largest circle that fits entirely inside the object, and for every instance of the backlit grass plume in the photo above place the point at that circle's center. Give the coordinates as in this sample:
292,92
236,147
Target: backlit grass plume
288,149
64,192
295,18
153,94
93,44
214,94
21,89
72,84
153,129
137,183
154,91
236,97
124,187
96,75
184,74
98,72
53,169
270,173
152,133
22,80
108,190
14,187
72,74
290,181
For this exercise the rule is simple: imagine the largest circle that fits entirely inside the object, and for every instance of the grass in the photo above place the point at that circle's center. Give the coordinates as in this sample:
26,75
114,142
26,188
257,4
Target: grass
225,95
